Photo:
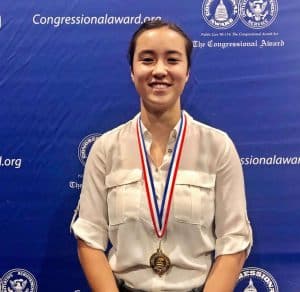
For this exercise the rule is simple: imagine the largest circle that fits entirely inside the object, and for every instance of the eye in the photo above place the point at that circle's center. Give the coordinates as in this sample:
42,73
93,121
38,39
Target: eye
173,60
147,60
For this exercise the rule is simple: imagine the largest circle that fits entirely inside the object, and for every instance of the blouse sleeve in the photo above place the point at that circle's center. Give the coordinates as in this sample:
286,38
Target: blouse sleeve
91,225
232,227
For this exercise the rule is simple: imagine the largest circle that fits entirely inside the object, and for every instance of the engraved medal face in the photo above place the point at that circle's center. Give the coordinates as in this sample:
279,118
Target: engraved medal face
159,262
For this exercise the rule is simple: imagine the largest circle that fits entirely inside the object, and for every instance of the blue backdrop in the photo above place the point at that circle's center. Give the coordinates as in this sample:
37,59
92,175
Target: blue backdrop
64,80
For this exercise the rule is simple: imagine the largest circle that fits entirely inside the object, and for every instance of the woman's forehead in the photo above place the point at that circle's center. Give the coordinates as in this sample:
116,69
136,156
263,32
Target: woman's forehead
160,38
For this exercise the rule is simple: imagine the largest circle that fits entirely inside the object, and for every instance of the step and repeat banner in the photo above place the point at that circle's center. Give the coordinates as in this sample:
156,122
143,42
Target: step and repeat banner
65,80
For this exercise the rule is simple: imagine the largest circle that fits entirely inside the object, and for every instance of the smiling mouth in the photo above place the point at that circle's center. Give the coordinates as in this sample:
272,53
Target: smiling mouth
159,85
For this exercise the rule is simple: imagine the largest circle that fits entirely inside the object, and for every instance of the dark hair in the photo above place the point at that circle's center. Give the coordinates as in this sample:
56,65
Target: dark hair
154,24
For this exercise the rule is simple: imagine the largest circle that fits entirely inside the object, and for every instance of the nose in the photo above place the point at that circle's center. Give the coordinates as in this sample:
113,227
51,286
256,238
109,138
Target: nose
159,69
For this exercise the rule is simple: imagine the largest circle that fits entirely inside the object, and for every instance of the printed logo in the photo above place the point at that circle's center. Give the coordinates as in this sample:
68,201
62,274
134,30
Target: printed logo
18,280
253,279
85,147
258,14
82,19
220,14
10,162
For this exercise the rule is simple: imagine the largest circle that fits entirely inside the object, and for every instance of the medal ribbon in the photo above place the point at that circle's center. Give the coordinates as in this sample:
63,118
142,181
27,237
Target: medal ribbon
160,216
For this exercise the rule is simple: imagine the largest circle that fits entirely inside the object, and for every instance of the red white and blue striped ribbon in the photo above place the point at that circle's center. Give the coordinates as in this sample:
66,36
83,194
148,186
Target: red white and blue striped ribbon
160,215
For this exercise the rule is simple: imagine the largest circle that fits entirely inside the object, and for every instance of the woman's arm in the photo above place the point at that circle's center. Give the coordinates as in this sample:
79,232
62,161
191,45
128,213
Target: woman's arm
96,269
224,273
232,227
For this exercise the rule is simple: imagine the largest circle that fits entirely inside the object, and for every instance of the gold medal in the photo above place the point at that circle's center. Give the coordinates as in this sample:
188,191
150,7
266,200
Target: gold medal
159,262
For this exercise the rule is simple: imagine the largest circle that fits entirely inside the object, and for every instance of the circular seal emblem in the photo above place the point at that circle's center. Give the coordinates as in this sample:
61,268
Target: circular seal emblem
220,14
258,14
18,280
253,279
85,146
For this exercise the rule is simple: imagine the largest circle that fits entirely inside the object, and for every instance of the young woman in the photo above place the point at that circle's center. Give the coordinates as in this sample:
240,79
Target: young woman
165,190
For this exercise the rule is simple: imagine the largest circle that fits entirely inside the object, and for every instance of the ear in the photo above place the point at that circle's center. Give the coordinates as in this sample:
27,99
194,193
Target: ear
187,75
131,74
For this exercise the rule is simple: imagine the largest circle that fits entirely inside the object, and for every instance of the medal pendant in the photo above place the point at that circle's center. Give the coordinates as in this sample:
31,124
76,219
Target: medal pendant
159,262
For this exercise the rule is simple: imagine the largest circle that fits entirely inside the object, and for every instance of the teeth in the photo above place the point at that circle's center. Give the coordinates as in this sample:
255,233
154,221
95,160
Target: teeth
159,86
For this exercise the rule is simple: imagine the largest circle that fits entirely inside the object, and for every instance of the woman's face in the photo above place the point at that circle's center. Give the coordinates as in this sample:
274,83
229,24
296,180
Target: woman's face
160,69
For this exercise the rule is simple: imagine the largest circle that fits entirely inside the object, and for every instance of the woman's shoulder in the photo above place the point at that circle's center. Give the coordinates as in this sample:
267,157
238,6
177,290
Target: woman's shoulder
117,134
204,129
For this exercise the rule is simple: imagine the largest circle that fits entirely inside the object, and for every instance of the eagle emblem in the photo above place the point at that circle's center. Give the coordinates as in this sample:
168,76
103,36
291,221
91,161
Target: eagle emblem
18,285
257,10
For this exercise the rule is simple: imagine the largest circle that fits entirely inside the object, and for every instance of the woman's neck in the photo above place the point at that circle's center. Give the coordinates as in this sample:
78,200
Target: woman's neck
160,124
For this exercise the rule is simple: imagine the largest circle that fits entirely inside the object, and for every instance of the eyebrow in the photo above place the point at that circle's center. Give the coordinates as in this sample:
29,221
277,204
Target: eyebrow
169,52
